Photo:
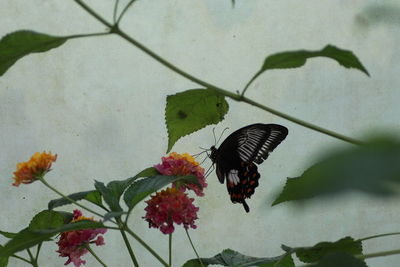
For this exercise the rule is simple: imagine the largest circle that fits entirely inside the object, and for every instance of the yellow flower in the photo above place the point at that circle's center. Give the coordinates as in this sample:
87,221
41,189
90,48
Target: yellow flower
37,166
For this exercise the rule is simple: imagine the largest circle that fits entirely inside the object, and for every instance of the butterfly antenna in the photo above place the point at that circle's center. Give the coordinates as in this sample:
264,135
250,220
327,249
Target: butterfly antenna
221,135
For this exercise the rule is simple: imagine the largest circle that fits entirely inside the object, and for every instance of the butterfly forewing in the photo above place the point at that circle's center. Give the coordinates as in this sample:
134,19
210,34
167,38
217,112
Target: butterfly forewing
234,158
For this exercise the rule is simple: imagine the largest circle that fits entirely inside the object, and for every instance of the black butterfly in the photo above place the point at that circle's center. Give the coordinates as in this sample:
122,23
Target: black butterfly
235,158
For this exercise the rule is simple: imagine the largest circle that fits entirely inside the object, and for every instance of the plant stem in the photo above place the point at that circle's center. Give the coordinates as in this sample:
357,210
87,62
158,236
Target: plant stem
95,256
126,228
250,82
124,11
33,261
115,11
20,258
236,97
68,198
170,249
379,254
87,35
128,245
376,236
37,251
194,249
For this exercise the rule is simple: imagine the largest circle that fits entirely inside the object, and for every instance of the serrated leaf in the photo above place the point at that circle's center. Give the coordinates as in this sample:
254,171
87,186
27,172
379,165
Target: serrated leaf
110,196
229,257
7,234
192,110
340,259
46,219
92,196
24,239
18,44
317,252
372,168
295,59
113,191
144,187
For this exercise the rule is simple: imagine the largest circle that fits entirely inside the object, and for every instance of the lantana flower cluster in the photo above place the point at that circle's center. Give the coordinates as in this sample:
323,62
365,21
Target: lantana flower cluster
183,164
30,171
173,205
73,244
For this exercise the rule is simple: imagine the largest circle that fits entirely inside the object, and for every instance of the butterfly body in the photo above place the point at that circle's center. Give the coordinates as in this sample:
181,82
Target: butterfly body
236,157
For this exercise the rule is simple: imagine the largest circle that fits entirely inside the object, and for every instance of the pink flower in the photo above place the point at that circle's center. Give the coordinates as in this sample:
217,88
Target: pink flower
73,244
183,164
170,206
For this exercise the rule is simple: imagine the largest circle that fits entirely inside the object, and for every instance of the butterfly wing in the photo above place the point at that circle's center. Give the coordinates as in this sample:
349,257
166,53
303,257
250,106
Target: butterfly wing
236,156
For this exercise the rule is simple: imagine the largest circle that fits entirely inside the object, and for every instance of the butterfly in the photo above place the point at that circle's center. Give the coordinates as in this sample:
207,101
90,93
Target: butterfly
236,157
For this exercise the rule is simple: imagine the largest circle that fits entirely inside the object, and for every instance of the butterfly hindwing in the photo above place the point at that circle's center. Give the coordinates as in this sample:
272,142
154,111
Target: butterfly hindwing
237,154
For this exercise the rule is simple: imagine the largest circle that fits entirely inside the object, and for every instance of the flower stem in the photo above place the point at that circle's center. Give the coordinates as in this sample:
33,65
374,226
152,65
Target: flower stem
128,245
126,228
194,249
236,97
68,198
95,256
170,249
124,11
379,254
376,236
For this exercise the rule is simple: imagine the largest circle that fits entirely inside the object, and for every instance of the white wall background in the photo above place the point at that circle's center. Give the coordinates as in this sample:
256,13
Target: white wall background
99,104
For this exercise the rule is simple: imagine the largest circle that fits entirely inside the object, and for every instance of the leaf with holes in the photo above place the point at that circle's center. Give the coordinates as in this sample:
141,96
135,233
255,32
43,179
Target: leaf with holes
191,111
18,44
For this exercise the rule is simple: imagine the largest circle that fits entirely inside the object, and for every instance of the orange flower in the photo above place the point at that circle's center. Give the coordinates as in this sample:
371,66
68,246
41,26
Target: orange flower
36,167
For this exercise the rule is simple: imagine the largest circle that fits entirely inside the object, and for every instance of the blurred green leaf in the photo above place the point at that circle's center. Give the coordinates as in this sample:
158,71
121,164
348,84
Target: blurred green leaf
24,239
230,257
192,110
18,44
80,225
46,219
110,195
341,259
295,59
372,168
3,260
144,187
92,196
8,234
317,252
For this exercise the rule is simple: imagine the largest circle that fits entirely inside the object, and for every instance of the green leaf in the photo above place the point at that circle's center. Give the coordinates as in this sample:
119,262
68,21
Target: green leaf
372,168
144,187
80,225
110,194
24,239
285,261
113,191
3,260
46,219
34,235
295,59
21,43
340,259
92,196
189,111
317,252
8,234
230,257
